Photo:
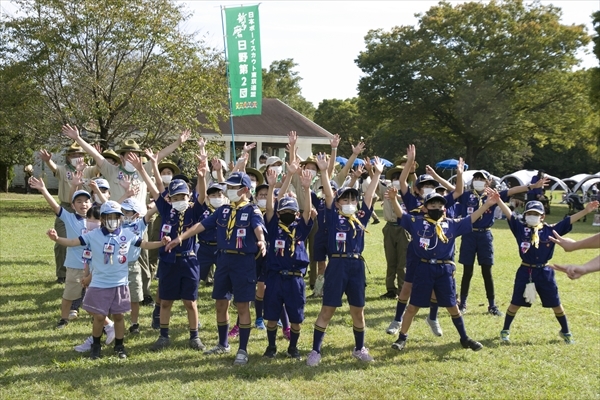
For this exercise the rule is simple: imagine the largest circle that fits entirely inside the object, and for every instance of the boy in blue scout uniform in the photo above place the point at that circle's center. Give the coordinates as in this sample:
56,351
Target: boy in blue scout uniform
108,292
433,238
240,236
287,261
534,274
345,272
479,241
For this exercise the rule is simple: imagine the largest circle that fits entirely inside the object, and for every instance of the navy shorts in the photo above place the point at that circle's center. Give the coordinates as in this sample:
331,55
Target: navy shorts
436,277
412,262
207,256
288,290
344,275
545,286
179,280
320,246
235,276
478,243
261,268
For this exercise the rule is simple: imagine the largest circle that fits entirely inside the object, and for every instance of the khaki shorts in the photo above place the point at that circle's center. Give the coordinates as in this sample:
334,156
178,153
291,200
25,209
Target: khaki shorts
73,286
136,291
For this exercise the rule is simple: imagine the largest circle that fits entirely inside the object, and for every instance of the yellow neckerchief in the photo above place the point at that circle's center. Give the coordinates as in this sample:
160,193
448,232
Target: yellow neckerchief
291,234
352,219
231,222
438,228
535,238
180,227
479,198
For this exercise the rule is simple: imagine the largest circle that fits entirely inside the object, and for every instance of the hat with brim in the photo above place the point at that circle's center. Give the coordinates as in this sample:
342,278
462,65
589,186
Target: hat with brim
425,179
182,177
239,179
102,183
75,148
404,160
129,145
214,187
434,196
333,184
132,204
390,172
256,173
178,186
112,155
310,160
272,160
482,174
345,190
534,206
169,164
287,203
110,207
80,193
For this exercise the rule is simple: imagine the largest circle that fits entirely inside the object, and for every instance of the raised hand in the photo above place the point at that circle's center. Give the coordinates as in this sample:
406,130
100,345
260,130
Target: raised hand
45,155
151,156
241,161
202,165
247,148
377,166
493,196
591,206
77,178
391,193
36,183
429,170
541,183
135,160
126,181
292,138
70,131
216,164
271,177
305,179
335,141
411,155
94,186
359,170
201,143
460,167
293,167
80,164
185,135
322,161
97,147
358,148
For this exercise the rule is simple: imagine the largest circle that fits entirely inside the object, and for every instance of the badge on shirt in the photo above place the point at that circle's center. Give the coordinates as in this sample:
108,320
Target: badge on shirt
122,259
123,248
226,211
280,244
444,225
340,236
241,232
120,176
470,210
166,228
424,243
244,217
109,248
525,246
87,254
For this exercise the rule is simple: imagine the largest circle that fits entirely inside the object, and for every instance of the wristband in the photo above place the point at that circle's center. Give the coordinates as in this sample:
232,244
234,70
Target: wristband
334,148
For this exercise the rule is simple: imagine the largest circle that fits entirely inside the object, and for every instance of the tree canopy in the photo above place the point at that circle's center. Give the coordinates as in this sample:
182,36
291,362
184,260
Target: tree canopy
283,83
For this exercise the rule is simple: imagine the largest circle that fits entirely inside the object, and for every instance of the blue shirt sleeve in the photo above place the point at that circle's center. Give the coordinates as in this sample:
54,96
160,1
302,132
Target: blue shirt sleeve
210,222
462,226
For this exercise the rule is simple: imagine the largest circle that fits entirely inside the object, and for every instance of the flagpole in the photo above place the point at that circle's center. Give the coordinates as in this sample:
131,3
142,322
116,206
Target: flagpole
228,86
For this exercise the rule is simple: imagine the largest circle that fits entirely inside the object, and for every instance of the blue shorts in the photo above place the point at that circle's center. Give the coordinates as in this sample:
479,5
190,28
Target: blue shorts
261,268
412,262
344,275
545,286
207,256
288,290
179,280
478,243
320,246
436,277
235,276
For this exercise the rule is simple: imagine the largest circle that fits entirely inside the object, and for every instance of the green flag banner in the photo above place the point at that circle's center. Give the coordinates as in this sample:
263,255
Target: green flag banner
243,54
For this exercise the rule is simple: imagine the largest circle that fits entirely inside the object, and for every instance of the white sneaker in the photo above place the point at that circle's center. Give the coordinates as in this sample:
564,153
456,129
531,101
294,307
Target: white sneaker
319,283
110,333
73,315
393,328
436,329
85,346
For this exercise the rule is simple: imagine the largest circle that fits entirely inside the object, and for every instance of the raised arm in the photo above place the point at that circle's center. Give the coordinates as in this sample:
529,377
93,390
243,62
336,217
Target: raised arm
241,162
305,180
590,207
592,242
270,208
505,210
292,169
154,160
46,157
292,138
73,133
218,168
524,188
392,195
62,241
39,185
411,153
460,185
377,170
135,160
335,142
438,178
356,150
493,198
322,163
173,146
202,170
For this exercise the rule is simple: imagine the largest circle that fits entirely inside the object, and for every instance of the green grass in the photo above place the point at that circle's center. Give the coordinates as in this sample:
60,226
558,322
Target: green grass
38,361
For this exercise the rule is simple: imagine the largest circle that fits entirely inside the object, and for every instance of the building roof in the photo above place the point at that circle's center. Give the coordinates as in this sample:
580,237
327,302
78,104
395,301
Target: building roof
277,120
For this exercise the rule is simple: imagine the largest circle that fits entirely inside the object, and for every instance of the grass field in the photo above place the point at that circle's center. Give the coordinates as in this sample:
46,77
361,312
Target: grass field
37,360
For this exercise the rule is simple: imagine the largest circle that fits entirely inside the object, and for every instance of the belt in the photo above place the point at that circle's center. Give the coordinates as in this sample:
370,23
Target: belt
186,254
234,252
285,272
534,265
392,223
436,261
480,229
207,243
348,255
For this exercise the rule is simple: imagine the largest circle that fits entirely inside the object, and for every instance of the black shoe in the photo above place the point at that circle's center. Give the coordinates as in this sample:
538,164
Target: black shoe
388,295
148,301
96,351
119,351
469,343
134,329
375,222
293,352
60,280
62,323
399,344
270,352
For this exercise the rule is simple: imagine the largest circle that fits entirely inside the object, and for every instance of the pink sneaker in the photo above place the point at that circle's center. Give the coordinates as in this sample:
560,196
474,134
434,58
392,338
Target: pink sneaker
362,355
234,332
287,333
313,359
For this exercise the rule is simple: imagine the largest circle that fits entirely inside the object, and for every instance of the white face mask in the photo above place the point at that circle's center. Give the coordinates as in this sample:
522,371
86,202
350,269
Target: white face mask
532,220
396,185
128,220
253,185
129,167
214,175
348,209
166,179
112,224
232,195
76,161
216,202
479,185
278,169
97,199
262,203
313,173
180,206
426,191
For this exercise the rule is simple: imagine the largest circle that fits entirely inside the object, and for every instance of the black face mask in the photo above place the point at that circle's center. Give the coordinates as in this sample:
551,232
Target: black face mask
435,214
287,219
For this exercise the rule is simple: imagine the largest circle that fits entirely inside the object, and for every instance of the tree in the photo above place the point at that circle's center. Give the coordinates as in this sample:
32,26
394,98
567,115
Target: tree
485,77
281,82
342,117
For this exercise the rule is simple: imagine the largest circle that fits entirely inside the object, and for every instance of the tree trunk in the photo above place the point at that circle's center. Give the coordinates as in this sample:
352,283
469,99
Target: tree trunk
4,177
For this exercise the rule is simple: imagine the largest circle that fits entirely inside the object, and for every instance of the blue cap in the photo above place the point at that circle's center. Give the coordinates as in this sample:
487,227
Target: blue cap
214,186
239,179
288,203
132,204
425,178
484,174
178,186
111,207
434,196
346,189
333,184
102,183
535,206
80,193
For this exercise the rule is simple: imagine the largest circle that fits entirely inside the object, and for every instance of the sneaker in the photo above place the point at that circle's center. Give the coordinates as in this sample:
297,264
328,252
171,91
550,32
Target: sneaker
494,311
234,332
196,344
567,337
62,323
469,343
390,294
319,284
120,351
85,346
294,353
362,355
393,328
270,352
376,222
134,329
110,333
260,324
462,308
399,344
287,333
313,359
161,343
60,280
436,329
73,314
96,351
241,358
147,301
218,349
505,336
279,324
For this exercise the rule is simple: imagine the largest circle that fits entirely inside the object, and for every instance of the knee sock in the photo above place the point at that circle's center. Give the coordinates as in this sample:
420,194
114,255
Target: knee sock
488,282
96,339
508,319
458,322
294,336
119,342
359,337
164,330
193,333
223,328
562,320
258,306
400,307
318,335
244,336
285,321
272,335
433,309
156,312
465,283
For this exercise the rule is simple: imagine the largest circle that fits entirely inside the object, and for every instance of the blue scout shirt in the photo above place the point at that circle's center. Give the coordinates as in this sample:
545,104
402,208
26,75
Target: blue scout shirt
208,235
138,227
279,255
174,224
241,237
109,265
75,225
342,238
412,203
469,202
425,240
523,233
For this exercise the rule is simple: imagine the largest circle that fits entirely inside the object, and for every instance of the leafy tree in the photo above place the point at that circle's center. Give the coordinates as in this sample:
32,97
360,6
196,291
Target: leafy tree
281,82
485,77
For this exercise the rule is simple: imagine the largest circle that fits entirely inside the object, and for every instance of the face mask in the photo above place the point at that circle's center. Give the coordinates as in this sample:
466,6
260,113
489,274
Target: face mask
232,195
128,220
396,185
532,220
180,206
166,179
97,198
278,170
426,191
435,214
129,167
262,203
287,219
479,185
348,209
253,185
214,175
76,161
91,225
313,173
112,224
216,202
